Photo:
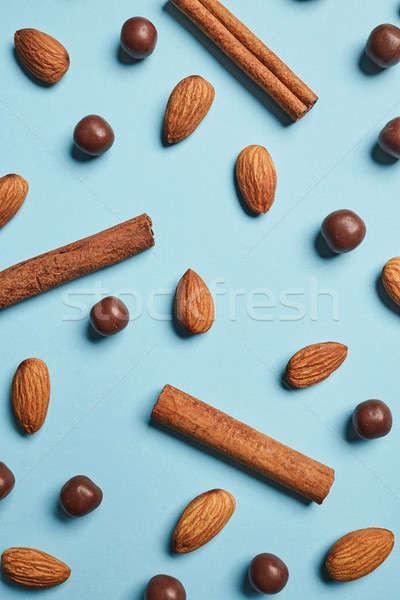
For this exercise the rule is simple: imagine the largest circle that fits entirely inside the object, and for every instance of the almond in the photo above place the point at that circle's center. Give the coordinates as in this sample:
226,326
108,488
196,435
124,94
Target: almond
187,106
391,278
33,568
41,54
30,394
194,306
13,190
359,553
314,363
202,519
256,177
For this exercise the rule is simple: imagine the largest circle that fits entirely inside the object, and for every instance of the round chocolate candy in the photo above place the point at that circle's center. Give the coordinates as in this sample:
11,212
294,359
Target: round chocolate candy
372,419
79,496
343,230
109,316
93,135
138,37
268,574
389,139
7,480
383,46
164,587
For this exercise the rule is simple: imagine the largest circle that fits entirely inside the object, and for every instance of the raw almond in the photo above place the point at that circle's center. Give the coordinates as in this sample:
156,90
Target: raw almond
202,519
41,54
33,568
13,191
187,106
30,394
194,306
314,363
359,553
256,177
391,278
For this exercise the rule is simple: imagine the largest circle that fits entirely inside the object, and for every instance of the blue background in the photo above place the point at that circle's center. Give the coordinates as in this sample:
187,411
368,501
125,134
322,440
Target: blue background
103,391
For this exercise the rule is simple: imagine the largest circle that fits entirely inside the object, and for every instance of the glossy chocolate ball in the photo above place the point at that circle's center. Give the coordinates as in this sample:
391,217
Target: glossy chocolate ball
268,574
93,135
389,139
372,419
109,316
164,587
383,46
138,37
343,230
7,480
79,496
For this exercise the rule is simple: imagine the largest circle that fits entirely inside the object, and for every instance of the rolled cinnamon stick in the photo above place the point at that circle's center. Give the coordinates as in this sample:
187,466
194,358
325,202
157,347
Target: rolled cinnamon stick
49,270
250,54
242,443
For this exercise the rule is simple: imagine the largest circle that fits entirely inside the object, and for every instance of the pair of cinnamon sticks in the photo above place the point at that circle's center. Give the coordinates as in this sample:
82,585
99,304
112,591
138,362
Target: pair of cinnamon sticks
250,54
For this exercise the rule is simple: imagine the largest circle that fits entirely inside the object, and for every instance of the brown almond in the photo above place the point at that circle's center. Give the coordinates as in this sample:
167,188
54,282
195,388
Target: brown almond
359,553
202,519
391,278
33,568
30,394
13,191
314,363
187,106
256,177
41,54
194,306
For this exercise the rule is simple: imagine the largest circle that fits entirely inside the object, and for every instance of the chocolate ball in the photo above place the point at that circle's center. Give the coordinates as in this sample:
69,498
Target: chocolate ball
268,574
7,480
138,37
79,496
383,46
389,139
343,230
93,135
164,587
109,316
372,419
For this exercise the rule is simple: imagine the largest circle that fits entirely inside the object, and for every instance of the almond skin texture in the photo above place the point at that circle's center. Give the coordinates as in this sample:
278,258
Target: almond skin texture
187,106
33,568
30,394
359,553
13,191
391,278
314,363
194,306
41,54
256,177
202,519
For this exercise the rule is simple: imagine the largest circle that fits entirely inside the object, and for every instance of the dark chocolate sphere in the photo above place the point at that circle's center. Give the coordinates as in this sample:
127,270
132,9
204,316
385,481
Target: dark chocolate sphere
383,46
164,587
138,37
7,480
93,135
79,496
268,574
343,230
389,139
372,419
109,316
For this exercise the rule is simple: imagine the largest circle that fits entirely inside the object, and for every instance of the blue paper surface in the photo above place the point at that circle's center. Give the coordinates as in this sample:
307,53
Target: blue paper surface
274,294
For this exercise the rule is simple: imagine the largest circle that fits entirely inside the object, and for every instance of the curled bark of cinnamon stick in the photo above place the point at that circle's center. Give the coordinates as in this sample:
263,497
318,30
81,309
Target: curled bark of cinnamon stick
49,270
258,452
250,54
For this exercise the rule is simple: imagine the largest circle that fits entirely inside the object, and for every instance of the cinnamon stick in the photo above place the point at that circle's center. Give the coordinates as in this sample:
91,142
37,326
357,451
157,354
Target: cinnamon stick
258,452
250,54
49,270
